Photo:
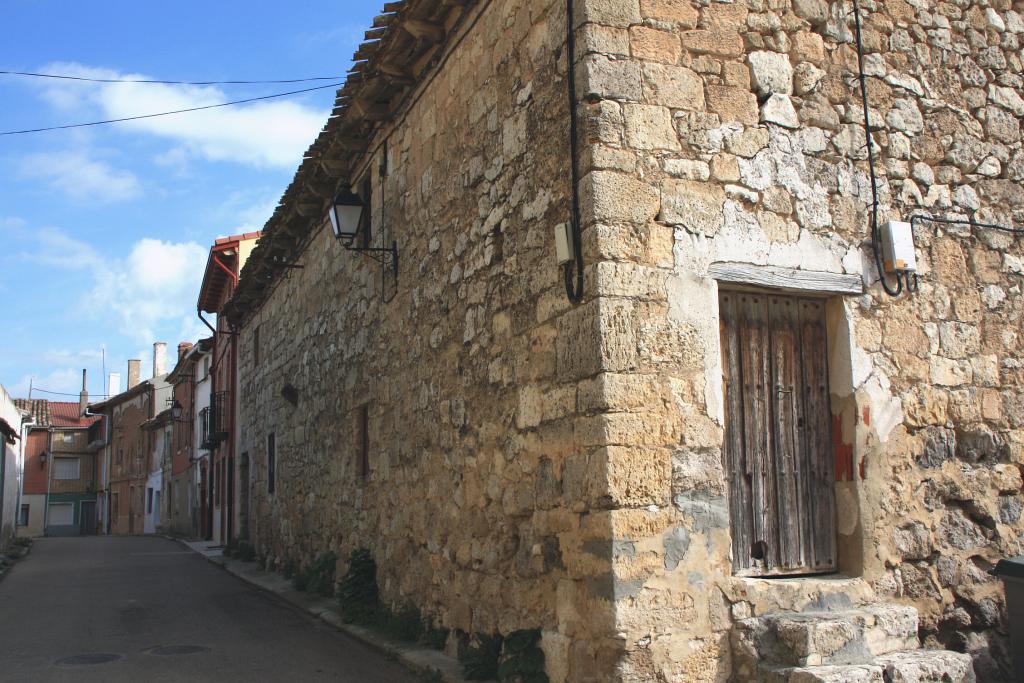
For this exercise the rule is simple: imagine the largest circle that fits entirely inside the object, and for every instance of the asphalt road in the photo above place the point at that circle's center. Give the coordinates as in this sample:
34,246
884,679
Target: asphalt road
161,613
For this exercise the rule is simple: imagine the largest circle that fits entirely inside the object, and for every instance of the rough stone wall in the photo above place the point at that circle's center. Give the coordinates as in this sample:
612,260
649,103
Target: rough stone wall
732,132
477,506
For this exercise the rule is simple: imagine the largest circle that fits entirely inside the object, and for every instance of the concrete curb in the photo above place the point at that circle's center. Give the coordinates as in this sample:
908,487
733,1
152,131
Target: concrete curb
418,659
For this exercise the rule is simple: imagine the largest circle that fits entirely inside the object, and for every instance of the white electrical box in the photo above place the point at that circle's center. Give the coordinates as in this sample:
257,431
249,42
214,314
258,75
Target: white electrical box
898,247
563,244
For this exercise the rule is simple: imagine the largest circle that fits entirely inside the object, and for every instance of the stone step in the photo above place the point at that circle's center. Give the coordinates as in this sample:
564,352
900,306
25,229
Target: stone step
926,666
805,639
849,673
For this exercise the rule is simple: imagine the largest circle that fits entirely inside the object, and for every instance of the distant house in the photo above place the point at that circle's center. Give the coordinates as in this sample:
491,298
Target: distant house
184,485
129,446
158,459
217,420
60,469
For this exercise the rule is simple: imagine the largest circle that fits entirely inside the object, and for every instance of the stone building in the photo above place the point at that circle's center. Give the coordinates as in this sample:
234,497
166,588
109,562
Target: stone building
732,455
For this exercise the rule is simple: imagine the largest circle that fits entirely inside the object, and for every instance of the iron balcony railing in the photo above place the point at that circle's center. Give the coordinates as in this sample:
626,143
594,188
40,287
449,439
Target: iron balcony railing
215,421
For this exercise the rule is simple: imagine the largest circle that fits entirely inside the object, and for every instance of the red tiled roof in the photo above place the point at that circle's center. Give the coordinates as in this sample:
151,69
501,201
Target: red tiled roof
67,415
37,408
237,238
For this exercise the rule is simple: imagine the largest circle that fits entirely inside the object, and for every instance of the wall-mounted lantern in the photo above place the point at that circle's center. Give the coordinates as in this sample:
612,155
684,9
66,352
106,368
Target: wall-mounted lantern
176,410
346,214
42,460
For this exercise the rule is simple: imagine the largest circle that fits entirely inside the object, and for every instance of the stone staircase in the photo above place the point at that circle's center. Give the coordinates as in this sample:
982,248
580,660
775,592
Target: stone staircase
871,644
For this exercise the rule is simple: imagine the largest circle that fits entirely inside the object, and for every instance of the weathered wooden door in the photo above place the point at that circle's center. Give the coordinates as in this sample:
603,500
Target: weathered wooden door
778,434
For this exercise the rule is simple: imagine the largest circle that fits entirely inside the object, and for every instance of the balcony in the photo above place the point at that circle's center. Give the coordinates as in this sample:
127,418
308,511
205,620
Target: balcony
214,421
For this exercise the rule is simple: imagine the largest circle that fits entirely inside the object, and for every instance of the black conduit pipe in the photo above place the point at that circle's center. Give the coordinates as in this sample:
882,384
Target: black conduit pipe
573,285
875,241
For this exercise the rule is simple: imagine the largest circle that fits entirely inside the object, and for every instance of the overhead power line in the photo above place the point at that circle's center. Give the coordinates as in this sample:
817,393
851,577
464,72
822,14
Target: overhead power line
168,113
67,77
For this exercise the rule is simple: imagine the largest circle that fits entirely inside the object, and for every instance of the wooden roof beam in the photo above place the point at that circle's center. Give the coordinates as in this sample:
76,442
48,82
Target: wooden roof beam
424,30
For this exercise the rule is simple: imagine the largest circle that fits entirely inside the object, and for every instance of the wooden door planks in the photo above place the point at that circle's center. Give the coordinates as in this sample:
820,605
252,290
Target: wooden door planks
754,367
777,436
789,452
818,435
735,457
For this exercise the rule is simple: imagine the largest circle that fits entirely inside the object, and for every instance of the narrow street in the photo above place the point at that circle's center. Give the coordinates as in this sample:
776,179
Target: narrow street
148,609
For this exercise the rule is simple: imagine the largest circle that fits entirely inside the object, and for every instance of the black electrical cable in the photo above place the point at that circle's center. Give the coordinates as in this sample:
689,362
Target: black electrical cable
875,241
66,77
574,290
921,218
168,113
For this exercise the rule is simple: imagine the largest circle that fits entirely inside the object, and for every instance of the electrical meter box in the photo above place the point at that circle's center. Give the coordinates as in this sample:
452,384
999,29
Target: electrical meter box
898,247
563,244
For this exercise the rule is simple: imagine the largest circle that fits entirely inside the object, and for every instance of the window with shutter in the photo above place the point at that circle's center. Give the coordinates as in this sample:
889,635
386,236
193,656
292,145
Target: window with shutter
778,434
66,468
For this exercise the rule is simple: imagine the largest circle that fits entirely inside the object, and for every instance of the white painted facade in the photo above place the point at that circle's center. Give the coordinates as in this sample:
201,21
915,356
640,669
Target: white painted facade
159,460
11,459
203,387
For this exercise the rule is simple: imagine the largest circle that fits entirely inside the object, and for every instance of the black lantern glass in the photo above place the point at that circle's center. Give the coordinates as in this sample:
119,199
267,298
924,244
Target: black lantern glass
346,216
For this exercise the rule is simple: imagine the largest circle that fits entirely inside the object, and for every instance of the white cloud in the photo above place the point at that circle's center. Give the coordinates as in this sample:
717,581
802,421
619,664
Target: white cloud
267,133
150,290
155,285
81,177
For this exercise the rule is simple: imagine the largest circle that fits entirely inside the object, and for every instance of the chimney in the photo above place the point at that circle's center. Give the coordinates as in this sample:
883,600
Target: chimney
159,359
83,398
114,384
183,349
133,373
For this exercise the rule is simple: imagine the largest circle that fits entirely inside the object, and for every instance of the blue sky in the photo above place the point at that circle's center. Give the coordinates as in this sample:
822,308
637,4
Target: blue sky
104,231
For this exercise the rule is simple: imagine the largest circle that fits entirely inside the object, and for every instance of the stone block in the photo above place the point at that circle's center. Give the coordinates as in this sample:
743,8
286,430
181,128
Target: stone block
694,205
637,476
682,13
779,109
771,72
619,198
601,77
654,44
673,86
621,13
732,104
928,666
717,42
649,127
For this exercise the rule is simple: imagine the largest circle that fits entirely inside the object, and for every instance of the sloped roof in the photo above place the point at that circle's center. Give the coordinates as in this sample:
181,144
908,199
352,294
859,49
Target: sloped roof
46,413
402,48
66,414
216,281
38,410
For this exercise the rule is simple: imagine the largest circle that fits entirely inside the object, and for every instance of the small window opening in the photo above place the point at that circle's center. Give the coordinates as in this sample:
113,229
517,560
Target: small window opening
271,463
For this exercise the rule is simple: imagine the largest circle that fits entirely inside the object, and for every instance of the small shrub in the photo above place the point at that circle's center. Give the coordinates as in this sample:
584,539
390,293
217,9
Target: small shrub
320,574
431,676
288,570
480,659
405,624
246,552
522,660
23,541
434,638
357,592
